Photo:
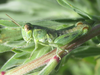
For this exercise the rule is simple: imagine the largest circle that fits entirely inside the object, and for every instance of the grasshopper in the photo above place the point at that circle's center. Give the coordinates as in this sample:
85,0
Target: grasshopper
54,38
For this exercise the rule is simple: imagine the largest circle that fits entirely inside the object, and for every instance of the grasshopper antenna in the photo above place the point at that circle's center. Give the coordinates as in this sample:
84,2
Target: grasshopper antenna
13,20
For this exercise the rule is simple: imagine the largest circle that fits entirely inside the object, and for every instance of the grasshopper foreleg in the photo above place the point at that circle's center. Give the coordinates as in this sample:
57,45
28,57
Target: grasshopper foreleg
36,46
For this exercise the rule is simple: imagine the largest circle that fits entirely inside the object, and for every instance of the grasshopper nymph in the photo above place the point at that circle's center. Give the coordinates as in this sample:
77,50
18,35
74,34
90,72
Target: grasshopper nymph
54,38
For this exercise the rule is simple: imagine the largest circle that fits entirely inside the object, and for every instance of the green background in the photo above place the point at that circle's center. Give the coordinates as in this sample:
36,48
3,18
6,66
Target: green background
84,62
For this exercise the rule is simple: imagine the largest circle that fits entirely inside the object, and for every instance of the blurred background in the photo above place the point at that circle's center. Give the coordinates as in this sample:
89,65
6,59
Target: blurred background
38,10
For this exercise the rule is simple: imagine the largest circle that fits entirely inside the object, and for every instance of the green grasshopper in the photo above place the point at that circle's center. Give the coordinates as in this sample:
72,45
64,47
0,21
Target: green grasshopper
54,38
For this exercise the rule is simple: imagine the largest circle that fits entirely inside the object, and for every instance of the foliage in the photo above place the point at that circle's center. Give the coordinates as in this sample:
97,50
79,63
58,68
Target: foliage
83,60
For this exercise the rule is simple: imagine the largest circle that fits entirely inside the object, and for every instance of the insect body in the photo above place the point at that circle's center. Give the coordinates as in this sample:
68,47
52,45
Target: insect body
54,38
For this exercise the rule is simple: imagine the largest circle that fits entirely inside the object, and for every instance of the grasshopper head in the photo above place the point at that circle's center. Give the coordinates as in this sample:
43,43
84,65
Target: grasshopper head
27,32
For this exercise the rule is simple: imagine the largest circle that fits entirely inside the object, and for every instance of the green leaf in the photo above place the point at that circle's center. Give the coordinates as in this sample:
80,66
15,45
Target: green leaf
10,34
15,44
4,48
17,51
97,71
98,3
12,62
80,12
86,51
35,10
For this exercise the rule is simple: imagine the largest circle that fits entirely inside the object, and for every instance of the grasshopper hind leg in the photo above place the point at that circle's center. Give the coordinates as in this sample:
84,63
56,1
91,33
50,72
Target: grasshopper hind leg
58,52
58,48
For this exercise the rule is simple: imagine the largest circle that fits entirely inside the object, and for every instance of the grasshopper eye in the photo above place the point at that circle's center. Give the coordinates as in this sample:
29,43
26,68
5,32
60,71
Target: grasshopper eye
28,26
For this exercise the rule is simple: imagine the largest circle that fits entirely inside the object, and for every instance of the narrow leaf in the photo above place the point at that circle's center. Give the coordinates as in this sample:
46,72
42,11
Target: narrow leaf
80,12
